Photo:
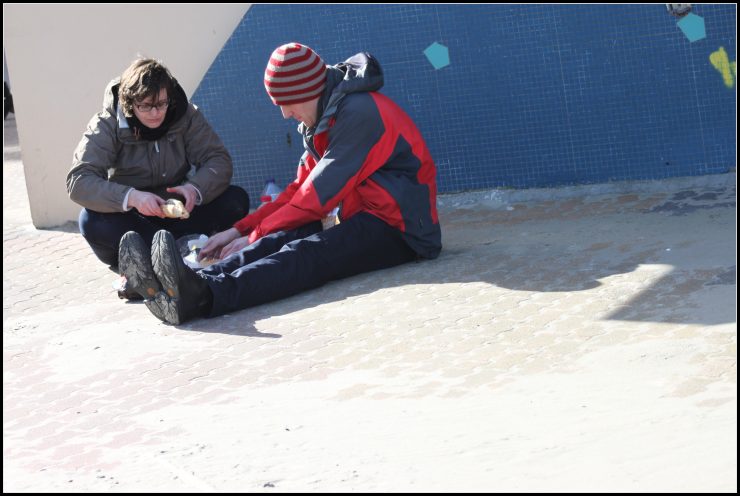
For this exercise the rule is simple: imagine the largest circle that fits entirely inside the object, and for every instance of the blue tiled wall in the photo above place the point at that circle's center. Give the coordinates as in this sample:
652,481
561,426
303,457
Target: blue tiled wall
534,96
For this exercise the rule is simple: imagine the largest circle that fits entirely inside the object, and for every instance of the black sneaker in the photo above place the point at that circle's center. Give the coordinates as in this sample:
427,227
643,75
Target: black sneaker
135,263
185,294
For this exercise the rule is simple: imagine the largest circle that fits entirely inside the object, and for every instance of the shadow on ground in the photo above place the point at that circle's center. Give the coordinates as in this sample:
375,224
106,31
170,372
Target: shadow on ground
541,250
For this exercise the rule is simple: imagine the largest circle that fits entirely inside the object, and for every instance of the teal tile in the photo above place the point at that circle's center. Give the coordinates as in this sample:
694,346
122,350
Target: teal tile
693,27
438,55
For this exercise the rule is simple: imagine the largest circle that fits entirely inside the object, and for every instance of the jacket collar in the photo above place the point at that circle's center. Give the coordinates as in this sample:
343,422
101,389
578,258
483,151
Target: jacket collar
359,73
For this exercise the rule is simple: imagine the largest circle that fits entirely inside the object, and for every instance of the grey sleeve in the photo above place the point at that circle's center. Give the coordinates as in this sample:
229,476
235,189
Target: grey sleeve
87,179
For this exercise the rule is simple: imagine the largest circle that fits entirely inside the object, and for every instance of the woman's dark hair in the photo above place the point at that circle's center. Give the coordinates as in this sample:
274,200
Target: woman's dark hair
144,78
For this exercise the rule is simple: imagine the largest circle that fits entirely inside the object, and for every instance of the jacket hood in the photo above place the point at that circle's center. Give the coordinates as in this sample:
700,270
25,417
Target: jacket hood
359,73
110,96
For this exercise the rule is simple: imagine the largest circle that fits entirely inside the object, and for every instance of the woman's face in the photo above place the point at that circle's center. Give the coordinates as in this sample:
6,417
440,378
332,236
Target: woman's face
150,111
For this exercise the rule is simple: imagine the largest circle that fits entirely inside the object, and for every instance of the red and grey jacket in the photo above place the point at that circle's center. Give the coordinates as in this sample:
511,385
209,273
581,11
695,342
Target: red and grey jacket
366,155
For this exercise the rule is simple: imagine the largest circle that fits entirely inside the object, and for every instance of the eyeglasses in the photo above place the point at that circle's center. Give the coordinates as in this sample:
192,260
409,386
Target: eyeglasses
147,107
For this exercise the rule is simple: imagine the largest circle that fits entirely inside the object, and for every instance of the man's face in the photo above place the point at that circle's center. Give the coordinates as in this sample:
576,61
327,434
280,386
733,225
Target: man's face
302,112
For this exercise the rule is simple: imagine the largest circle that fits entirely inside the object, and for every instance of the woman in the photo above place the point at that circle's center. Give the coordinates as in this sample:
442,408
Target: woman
149,144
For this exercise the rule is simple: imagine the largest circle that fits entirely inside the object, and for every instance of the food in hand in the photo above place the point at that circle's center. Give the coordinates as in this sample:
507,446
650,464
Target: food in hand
174,209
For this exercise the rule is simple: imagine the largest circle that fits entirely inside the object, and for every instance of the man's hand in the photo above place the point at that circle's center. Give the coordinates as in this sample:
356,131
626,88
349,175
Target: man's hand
212,248
188,192
147,204
234,246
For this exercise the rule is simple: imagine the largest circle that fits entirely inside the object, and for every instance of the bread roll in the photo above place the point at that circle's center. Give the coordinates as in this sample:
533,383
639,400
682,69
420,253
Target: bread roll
208,261
174,209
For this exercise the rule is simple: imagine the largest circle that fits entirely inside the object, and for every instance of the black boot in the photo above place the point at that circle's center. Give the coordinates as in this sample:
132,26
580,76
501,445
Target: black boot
185,294
135,263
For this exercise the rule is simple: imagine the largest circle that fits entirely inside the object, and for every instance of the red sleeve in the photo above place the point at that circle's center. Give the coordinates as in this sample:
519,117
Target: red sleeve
248,223
286,216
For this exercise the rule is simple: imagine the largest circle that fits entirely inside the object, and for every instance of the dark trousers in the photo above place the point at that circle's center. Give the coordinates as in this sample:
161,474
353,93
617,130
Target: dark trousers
289,262
103,232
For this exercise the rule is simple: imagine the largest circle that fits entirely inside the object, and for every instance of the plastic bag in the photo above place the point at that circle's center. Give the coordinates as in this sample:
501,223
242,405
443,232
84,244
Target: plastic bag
190,246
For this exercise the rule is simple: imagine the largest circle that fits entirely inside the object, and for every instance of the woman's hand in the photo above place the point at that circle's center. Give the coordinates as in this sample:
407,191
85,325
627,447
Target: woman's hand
147,204
188,192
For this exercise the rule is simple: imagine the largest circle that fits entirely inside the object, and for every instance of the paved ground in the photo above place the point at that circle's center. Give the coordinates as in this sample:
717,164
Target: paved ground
581,342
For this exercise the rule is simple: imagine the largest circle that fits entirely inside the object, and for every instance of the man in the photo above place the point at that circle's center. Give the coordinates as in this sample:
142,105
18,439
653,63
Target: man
363,154
139,151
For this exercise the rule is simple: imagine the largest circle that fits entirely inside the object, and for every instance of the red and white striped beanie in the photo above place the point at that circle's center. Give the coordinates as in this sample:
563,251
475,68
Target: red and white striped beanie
294,74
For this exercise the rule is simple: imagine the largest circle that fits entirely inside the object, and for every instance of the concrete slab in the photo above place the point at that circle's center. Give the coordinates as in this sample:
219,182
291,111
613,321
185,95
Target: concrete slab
581,340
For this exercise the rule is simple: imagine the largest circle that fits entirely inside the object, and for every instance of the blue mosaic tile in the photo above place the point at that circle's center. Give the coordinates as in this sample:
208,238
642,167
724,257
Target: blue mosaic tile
535,96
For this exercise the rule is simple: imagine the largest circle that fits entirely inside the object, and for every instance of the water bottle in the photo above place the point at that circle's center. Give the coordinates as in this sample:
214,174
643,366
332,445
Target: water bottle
270,192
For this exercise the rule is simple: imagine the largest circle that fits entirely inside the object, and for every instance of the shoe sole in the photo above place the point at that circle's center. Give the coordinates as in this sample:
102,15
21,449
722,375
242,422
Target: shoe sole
166,268
135,263
162,307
